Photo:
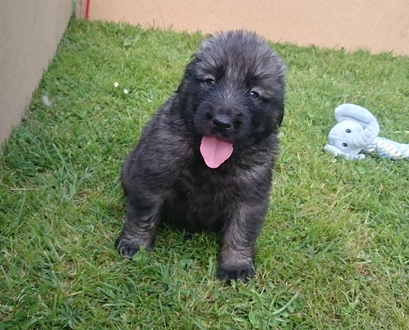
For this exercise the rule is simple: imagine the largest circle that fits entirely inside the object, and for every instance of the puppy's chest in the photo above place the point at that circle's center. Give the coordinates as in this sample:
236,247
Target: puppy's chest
200,202
208,188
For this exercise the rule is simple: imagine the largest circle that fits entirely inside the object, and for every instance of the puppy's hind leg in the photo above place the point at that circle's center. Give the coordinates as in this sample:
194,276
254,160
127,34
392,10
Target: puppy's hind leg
142,217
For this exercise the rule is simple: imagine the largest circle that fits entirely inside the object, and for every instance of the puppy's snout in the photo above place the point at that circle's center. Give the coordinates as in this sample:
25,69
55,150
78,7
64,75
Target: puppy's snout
222,123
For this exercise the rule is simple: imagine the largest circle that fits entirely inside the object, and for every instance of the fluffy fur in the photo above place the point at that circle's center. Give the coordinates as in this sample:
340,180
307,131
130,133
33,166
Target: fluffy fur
232,89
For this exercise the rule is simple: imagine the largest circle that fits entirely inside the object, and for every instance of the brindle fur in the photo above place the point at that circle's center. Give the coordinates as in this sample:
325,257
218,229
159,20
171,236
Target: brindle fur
237,77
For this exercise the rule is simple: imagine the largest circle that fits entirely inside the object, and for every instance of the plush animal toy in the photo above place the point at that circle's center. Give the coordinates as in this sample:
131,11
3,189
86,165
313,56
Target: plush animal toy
357,130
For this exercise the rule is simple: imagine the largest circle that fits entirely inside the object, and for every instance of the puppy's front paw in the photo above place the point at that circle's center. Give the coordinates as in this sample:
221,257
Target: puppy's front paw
239,272
128,246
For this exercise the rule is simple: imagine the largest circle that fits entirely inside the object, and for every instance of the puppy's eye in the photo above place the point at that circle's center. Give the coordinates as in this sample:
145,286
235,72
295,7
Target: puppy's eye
209,82
254,95
348,130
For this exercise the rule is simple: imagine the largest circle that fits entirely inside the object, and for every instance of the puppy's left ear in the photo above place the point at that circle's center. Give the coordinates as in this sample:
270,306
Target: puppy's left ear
280,118
279,111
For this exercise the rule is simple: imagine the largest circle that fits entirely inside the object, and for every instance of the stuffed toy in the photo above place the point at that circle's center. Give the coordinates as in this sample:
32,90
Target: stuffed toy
357,130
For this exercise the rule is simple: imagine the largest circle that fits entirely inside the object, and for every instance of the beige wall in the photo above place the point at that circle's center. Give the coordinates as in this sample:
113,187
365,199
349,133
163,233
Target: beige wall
378,25
29,33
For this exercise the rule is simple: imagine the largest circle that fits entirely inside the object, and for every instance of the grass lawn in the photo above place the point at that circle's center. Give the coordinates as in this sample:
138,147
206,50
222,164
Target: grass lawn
334,251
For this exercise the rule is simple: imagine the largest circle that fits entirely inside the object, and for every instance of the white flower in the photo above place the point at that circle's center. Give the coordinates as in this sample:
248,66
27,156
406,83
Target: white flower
46,101
126,91
116,84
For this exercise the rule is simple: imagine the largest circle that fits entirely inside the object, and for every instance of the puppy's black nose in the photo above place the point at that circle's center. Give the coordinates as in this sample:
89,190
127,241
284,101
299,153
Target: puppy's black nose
221,123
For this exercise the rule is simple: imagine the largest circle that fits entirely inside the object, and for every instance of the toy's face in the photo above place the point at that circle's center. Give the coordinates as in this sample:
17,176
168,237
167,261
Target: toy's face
347,137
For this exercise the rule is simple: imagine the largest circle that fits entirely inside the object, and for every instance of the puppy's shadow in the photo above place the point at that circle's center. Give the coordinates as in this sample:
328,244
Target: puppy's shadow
169,237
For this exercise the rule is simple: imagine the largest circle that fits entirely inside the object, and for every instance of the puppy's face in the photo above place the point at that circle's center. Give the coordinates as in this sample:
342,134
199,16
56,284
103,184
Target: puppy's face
232,94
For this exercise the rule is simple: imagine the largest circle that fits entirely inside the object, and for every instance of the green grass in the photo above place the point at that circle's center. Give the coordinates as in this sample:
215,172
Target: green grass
333,254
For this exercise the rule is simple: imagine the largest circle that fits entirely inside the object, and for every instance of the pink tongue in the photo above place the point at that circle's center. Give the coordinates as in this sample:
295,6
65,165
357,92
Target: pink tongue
215,151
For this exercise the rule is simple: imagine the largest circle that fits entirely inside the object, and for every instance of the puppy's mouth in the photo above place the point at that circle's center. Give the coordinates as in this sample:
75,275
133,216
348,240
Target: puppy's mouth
215,151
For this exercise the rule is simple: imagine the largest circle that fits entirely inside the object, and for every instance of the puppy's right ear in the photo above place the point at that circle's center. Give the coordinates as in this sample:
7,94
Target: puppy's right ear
206,39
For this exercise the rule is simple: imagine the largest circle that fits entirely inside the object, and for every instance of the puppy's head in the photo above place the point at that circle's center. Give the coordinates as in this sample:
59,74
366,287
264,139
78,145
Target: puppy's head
232,94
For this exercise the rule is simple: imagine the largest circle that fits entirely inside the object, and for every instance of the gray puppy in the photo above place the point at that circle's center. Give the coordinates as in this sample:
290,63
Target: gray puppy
205,160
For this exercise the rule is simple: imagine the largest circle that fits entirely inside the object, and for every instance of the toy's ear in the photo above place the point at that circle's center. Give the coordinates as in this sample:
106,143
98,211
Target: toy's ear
355,113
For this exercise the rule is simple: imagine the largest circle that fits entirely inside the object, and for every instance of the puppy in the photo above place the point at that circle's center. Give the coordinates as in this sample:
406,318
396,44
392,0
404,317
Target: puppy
205,160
